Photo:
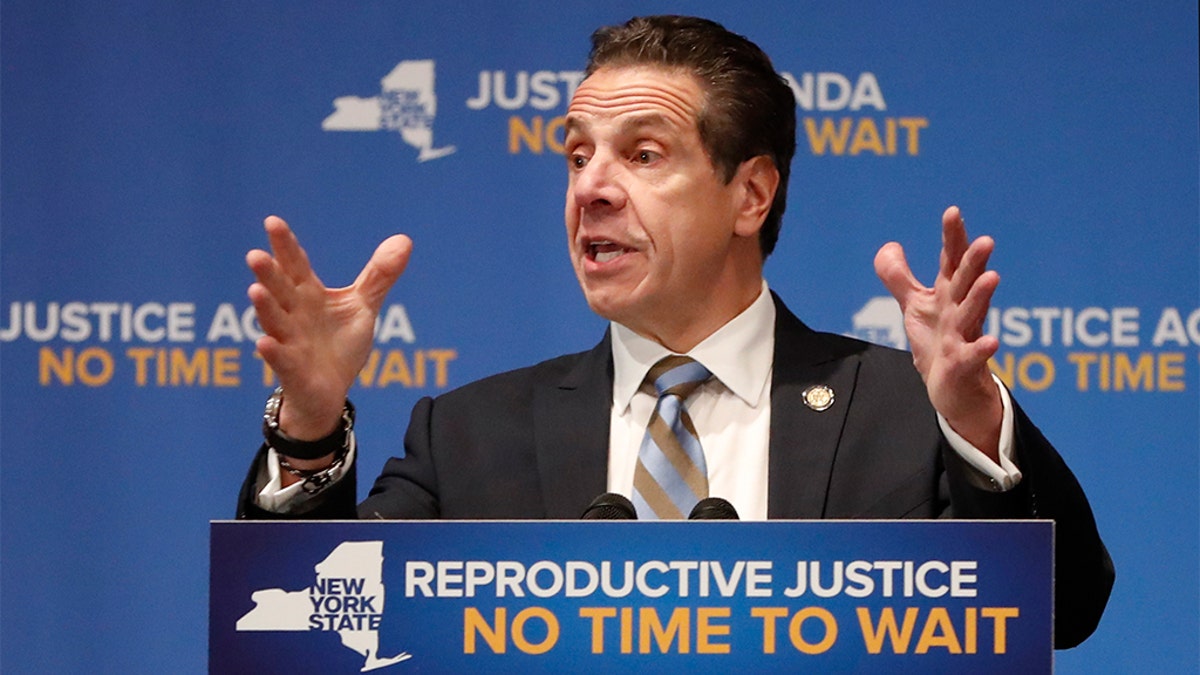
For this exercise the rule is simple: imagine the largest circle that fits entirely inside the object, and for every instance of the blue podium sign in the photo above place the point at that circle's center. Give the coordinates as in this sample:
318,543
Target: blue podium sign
553,596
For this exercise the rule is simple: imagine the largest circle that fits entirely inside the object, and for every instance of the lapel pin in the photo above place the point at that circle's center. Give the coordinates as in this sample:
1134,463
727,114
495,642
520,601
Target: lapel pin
818,397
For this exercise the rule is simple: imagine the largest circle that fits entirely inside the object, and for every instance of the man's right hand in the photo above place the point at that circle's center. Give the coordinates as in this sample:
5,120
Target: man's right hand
317,338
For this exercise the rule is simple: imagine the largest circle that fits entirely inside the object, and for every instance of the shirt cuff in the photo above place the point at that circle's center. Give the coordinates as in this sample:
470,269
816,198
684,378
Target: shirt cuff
987,474
273,497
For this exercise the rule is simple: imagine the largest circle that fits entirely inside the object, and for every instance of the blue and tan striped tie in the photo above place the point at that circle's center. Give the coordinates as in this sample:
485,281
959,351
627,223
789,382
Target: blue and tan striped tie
671,474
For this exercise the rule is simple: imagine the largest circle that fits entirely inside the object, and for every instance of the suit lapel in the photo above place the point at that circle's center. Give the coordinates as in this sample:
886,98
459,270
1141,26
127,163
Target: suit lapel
804,441
571,428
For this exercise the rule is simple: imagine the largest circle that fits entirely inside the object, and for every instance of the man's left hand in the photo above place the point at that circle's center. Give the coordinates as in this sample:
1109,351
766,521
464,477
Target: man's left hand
945,330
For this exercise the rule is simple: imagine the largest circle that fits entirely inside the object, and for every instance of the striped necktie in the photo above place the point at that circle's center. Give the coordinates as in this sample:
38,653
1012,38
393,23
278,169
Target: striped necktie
671,474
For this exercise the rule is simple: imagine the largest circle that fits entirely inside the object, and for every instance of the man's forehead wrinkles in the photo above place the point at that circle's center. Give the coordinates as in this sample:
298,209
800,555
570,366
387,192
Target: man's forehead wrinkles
637,109
678,93
670,97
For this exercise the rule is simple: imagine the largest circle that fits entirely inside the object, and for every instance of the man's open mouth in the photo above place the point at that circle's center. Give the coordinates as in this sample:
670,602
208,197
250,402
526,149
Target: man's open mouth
603,250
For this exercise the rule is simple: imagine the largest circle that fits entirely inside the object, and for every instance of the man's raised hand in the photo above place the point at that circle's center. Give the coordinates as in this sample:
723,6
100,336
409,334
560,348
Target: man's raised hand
317,338
945,330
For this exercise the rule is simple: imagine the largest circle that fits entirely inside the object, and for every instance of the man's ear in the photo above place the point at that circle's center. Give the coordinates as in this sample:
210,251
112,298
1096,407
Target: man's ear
758,180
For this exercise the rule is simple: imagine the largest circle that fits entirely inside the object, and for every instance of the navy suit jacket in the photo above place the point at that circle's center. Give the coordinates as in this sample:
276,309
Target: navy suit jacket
533,443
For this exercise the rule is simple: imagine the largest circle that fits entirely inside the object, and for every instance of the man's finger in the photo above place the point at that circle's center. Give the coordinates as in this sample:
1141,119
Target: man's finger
383,269
892,268
982,349
266,271
973,264
287,250
974,307
954,241
275,355
271,316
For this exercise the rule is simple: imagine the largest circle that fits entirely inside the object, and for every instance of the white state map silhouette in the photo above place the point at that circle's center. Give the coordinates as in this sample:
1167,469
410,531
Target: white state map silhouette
881,321
279,610
406,103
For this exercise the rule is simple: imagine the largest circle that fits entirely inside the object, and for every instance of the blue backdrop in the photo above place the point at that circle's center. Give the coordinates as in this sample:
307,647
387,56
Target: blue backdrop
143,142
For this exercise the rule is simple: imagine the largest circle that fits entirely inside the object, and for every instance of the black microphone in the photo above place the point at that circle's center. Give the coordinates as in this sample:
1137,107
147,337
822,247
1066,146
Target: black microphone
610,506
713,508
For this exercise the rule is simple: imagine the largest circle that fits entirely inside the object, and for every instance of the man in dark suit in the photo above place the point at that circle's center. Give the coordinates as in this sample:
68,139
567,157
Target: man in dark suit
679,144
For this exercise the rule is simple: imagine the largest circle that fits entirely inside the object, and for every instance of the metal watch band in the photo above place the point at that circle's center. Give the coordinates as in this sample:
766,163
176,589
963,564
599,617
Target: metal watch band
315,480
336,442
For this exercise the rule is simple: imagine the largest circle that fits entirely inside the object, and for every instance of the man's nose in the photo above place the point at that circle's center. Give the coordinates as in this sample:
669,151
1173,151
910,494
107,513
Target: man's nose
598,183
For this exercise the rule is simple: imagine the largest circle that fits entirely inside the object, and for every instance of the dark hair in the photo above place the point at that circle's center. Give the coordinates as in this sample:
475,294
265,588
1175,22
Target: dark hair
749,110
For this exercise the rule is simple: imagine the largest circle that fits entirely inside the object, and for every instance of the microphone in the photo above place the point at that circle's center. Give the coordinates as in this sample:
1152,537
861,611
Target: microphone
610,506
713,508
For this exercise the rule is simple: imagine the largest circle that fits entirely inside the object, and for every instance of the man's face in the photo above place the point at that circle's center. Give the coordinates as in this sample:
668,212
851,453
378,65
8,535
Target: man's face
653,229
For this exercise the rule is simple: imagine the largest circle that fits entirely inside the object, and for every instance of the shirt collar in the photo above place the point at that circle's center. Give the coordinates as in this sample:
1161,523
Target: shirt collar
739,354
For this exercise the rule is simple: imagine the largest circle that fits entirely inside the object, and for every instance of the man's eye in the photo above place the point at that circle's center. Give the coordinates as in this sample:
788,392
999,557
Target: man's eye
578,161
646,156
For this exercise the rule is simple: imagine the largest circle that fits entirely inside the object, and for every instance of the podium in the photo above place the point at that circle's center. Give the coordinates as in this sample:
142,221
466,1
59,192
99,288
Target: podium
621,596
